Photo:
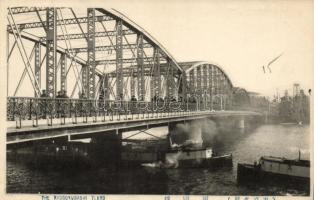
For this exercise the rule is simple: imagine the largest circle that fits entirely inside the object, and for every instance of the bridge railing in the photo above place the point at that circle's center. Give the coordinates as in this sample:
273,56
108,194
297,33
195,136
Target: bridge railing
28,108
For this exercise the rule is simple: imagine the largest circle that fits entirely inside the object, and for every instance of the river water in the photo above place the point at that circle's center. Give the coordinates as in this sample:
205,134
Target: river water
245,146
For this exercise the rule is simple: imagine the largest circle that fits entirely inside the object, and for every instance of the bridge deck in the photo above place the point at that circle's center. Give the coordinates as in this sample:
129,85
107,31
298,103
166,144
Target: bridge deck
126,123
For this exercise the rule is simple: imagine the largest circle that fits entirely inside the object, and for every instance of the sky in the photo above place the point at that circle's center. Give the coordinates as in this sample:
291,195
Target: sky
241,36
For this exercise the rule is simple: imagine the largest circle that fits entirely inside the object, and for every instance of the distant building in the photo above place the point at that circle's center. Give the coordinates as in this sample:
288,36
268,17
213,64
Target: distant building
295,108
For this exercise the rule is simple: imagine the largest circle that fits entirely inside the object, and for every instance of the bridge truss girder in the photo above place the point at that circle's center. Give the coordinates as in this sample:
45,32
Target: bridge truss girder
208,83
110,63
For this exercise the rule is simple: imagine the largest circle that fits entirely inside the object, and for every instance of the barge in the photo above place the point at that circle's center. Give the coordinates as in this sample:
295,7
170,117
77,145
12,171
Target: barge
275,170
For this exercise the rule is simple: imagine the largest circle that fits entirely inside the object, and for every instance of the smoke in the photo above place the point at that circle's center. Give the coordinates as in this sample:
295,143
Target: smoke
195,133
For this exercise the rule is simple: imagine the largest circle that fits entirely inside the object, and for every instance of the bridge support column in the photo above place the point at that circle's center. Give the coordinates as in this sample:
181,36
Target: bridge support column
106,148
241,123
172,126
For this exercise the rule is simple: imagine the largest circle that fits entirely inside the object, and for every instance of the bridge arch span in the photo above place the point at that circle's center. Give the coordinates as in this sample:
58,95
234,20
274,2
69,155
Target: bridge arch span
112,57
207,82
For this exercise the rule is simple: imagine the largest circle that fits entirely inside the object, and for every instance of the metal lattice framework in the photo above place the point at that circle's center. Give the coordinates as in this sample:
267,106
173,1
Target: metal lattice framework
91,54
208,83
94,61
100,54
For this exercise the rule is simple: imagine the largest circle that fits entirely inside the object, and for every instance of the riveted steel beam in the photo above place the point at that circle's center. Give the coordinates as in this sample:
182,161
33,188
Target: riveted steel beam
20,10
51,54
127,61
140,65
69,21
205,78
132,81
63,70
198,79
108,48
170,81
37,62
156,76
192,81
91,53
82,35
119,60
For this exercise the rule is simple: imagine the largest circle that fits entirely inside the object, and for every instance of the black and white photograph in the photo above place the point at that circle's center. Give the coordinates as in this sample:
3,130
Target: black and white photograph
201,99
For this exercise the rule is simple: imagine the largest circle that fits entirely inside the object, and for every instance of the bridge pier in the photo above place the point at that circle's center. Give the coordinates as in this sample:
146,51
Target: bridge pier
241,123
106,147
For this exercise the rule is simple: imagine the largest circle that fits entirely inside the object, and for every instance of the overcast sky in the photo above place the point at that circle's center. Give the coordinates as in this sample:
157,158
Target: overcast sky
241,36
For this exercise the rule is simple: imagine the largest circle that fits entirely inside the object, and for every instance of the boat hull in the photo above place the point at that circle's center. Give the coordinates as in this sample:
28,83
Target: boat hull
252,174
210,163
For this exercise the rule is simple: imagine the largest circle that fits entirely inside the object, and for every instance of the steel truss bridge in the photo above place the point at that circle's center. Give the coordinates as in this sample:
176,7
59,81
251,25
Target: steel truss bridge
97,64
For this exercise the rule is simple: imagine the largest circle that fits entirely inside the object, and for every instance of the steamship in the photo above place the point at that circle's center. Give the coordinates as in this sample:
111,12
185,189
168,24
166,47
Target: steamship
275,170
188,155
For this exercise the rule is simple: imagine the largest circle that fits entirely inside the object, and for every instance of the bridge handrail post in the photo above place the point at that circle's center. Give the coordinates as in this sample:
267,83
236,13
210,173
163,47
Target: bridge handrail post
143,113
118,111
152,109
95,109
49,118
102,109
111,111
124,106
84,110
18,120
61,111
147,110
138,110
75,114
36,120
30,109
70,108
35,111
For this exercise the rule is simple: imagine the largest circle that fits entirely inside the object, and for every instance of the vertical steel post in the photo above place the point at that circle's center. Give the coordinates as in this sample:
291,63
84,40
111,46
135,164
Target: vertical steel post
184,85
140,68
170,81
8,61
101,88
192,81
63,70
199,81
156,89
205,80
51,54
211,70
91,53
132,82
119,60
218,81
106,87
85,71
37,61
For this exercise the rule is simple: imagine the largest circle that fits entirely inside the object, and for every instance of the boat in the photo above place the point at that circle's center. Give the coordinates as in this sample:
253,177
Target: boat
54,155
275,170
194,158
190,154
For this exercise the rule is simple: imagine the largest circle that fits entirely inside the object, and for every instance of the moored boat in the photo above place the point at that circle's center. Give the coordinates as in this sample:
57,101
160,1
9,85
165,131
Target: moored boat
275,170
